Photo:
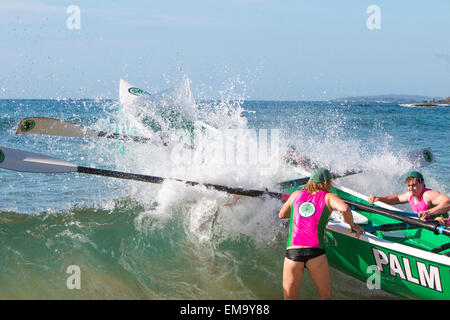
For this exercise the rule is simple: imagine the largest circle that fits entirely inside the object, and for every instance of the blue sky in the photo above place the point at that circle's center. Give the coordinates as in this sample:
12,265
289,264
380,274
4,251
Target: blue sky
256,49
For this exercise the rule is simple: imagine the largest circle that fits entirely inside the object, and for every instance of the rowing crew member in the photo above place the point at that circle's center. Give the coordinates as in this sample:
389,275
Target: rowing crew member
427,203
309,210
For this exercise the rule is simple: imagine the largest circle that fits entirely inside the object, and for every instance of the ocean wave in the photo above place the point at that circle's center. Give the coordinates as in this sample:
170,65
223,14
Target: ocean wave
127,252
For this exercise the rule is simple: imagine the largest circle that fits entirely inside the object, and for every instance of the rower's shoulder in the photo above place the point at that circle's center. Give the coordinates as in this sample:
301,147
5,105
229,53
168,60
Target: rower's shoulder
293,196
332,195
295,193
404,197
431,194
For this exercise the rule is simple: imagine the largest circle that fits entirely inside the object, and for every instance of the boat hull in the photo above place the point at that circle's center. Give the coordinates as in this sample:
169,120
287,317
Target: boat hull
403,271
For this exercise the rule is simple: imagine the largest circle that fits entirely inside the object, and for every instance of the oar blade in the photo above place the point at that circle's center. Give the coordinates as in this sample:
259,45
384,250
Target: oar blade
53,127
23,161
421,158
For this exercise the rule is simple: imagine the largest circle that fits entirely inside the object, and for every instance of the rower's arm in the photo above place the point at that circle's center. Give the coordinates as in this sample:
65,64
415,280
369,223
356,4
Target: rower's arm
336,203
440,202
390,199
285,211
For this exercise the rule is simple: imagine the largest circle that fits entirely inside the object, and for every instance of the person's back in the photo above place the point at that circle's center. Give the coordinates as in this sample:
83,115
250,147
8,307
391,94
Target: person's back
309,210
310,216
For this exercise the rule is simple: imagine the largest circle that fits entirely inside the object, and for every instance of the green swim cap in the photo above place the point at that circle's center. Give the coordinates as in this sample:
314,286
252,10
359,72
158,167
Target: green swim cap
320,175
415,174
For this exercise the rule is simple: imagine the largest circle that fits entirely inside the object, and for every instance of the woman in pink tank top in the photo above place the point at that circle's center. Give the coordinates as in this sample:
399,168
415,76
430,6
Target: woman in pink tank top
309,210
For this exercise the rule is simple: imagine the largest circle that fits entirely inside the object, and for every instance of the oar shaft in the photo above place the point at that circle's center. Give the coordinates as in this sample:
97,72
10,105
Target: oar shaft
120,175
294,183
125,137
390,227
433,226
302,181
159,180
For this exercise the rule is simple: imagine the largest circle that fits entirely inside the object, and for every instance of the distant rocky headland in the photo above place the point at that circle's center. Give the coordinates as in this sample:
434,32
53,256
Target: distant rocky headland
412,100
446,100
433,103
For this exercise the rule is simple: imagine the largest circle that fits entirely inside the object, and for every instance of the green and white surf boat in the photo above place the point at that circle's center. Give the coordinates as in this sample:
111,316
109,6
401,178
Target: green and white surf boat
400,258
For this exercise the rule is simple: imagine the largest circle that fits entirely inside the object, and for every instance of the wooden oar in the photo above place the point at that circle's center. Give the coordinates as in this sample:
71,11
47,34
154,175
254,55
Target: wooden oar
55,127
24,161
418,158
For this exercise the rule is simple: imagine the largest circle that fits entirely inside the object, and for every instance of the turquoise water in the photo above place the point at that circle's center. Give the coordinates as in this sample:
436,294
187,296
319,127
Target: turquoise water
133,240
